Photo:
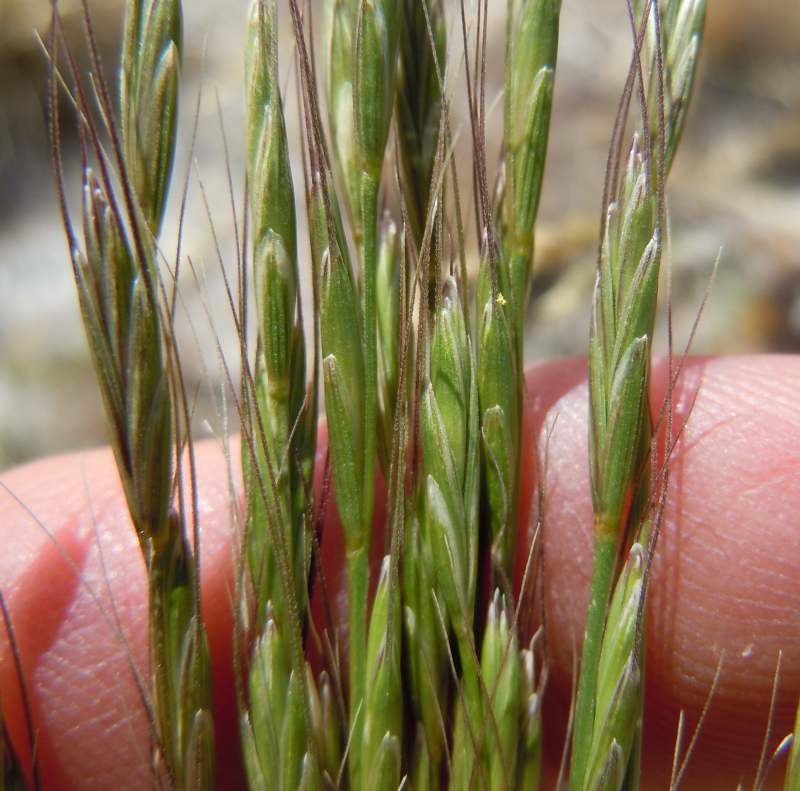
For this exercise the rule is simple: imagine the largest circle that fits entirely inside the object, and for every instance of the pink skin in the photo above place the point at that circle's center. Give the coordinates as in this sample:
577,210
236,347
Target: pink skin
727,577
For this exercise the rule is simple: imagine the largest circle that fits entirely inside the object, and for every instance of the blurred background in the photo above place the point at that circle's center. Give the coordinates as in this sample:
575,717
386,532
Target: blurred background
735,188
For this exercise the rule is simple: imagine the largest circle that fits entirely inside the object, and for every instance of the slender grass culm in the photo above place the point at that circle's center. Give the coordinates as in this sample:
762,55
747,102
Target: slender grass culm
428,671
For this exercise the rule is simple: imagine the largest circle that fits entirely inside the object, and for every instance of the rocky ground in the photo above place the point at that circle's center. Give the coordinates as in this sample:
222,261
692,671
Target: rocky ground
735,187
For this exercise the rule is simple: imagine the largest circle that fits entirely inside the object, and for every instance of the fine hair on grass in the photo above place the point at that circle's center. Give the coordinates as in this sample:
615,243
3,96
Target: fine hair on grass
430,673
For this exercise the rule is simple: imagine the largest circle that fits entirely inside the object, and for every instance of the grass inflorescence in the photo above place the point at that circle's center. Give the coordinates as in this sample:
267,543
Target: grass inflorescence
414,352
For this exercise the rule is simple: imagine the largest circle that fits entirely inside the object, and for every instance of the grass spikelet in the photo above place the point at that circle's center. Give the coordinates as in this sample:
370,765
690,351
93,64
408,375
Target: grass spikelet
500,670
382,744
343,376
419,103
681,30
613,754
341,113
326,728
274,736
499,395
448,536
449,435
278,725
529,78
425,650
149,79
375,70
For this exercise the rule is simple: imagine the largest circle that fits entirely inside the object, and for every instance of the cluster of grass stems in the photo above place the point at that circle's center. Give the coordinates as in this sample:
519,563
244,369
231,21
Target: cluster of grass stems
415,345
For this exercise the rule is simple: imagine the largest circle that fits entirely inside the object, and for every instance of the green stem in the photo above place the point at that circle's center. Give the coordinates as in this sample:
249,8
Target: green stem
605,555
357,592
519,286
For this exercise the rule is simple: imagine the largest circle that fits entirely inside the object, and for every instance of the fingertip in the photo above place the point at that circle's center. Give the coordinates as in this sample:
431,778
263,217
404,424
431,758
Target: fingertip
72,561
727,571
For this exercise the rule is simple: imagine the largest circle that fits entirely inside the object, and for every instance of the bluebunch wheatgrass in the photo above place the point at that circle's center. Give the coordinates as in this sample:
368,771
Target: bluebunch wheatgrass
606,743
504,281
129,331
280,431
449,425
422,374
